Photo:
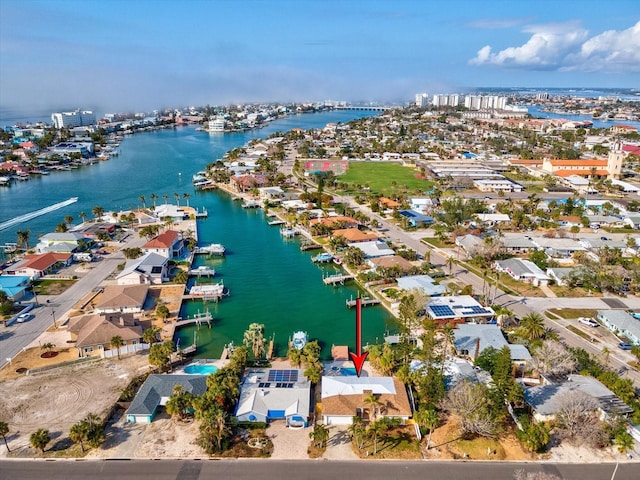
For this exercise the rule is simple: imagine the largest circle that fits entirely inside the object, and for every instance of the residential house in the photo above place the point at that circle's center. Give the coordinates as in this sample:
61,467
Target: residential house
391,261
271,394
343,397
373,249
558,248
423,283
621,323
338,221
15,286
388,204
91,231
168,210
492,219
35,266
472,339
151,268
273,194
353,235
559,275
245,183
517,244
522,270
416,219
122,299
457,309
156,391
67,242
424,205
546,401
169,244
471,244
93,333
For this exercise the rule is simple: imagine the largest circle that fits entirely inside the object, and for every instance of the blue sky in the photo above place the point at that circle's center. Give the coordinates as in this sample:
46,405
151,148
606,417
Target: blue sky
135,54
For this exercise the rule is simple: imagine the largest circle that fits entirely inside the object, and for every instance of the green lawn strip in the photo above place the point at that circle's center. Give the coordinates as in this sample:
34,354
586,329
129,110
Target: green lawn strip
384,178
570,313
52,287
584,335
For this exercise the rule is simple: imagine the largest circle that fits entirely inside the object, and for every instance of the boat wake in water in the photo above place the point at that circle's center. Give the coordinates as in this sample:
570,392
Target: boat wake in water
28,216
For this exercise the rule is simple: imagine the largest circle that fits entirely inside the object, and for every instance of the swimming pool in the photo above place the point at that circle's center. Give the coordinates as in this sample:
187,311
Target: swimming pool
348,371
198,369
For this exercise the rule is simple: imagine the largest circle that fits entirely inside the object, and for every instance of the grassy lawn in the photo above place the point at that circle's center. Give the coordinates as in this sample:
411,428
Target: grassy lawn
584,335
399,443
436,242
52,287
569,313
385,178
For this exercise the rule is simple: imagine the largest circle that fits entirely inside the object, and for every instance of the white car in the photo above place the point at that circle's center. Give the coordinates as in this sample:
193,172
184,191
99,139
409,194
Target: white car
23,317
588,321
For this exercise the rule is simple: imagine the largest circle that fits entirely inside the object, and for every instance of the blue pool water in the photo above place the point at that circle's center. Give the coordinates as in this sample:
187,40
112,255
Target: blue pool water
348,371
200,369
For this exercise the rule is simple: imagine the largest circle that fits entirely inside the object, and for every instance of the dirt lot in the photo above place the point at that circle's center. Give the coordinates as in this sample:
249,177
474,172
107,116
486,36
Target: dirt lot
57,399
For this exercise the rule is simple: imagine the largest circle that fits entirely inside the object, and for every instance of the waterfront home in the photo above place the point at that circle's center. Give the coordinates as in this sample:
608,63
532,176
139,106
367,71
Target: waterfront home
35,266
245,183
422,283
522,270
546,401
92,334
92,230
66,242
169,210
272,194
344,397
337,221
470,340
168,244
354,235
373,249
151,268
122,299
457,309
391,261
156,391
270,394
621,323
15,286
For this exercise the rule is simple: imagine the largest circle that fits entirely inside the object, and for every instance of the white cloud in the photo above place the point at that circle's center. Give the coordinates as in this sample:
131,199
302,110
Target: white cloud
567,46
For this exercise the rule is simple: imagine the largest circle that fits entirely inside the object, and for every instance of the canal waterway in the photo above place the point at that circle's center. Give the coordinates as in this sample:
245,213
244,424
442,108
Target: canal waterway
269,279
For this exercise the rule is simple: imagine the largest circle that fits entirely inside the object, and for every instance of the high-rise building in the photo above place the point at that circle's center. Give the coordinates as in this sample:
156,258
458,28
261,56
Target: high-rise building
78,118
422,100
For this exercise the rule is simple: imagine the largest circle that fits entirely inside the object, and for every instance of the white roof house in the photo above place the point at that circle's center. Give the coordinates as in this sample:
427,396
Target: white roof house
523,270
471,339
374,248
622,322
148,269
271,394
423,283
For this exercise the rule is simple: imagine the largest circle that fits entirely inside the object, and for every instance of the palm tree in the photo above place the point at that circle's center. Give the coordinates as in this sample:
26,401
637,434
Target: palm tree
375,430
143,200
177,197
186,196
214,424
97,211
427,418
606,354
150,335
83,216
68,219
179,403
47,346
450,264
295,357
254,339
165,197
319,435
23,238
116,342
153,198
313,374
532,327
79,433
374,403
4,429
39,439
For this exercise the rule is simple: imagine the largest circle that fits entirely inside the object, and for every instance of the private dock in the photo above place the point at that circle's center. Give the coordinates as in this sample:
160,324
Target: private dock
202,214
337,278
213,249
310,246
288,232
277,222
364,301
251,204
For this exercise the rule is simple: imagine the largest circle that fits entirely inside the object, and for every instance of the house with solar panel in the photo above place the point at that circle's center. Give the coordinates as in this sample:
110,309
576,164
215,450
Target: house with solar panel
458,309
272,394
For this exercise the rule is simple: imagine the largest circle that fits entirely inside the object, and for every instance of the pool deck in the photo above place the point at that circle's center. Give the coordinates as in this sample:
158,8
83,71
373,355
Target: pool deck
332,369
219,363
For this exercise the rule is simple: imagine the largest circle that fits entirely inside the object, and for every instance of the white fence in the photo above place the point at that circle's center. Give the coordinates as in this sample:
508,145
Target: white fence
125,350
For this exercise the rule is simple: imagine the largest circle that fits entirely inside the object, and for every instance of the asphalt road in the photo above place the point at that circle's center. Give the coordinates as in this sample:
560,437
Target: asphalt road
308,470
17,336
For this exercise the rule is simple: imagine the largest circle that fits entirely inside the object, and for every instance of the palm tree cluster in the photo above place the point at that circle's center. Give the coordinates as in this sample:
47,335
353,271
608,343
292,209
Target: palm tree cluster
88,431
254,340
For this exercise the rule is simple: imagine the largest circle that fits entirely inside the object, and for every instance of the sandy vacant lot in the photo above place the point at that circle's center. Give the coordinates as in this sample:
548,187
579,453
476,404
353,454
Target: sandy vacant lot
57,399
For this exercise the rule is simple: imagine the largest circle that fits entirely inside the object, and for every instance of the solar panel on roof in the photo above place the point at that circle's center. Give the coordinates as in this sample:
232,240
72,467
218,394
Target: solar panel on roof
283,376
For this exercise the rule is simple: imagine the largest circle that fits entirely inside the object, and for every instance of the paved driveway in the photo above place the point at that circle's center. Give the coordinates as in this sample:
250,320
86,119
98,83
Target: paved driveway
288,443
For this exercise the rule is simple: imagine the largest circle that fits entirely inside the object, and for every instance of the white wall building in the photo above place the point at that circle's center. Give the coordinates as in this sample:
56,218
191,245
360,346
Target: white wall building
77,118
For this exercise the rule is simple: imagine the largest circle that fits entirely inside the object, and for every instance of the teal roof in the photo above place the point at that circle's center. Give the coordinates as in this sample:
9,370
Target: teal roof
12,285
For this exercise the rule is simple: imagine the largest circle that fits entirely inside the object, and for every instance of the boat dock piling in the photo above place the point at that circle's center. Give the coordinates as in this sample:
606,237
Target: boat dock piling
364,301
337,278
271,346
310,246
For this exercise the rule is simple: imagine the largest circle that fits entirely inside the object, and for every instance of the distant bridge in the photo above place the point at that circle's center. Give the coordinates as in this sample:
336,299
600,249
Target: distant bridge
378,109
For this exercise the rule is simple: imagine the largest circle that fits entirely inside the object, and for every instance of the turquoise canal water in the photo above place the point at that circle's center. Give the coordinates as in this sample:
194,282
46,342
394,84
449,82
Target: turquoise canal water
269,279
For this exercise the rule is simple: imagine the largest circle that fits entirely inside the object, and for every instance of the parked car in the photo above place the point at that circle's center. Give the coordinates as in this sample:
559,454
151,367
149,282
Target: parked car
624,346
23,317
588,321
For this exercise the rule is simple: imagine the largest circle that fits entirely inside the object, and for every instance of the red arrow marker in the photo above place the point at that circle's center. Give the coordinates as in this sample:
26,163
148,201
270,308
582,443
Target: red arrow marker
358,358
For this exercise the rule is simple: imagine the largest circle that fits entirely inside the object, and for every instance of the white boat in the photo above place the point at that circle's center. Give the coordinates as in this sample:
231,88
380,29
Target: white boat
200,177
203,271
211,290
299,340
213,249
5,180
288,232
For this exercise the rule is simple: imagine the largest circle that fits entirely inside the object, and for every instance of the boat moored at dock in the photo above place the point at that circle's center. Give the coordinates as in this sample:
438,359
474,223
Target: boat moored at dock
299,340
213,249
209,291
203,271
288,232
322,258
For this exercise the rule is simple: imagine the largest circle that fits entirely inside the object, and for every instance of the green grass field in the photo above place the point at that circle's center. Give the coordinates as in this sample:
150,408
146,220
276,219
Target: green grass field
384,178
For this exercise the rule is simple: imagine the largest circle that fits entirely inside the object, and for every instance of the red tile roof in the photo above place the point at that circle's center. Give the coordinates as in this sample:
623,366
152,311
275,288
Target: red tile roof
41,262
164,240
